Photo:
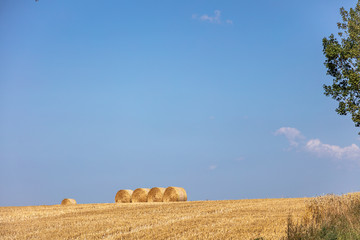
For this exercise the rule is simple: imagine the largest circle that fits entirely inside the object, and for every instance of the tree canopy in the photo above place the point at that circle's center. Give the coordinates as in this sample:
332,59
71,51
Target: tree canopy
343,64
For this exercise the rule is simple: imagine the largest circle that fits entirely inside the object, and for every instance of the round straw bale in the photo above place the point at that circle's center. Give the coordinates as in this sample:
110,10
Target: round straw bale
68,201
123,196
174,194
156,194
140,195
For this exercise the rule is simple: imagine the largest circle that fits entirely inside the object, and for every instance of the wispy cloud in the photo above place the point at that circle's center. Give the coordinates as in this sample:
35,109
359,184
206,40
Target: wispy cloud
333,151
212,167
212,19
315,146
292,134
216,18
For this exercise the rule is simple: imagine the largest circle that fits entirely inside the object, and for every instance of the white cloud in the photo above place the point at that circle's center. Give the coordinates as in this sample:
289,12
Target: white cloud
318,148
333,151
292,134
212,167
216,18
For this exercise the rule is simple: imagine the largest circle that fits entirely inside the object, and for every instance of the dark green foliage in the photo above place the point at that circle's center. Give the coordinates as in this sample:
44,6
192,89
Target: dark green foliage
343,64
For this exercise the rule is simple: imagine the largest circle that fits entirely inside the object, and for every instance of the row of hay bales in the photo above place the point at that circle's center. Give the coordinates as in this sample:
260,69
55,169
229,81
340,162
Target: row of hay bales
156,194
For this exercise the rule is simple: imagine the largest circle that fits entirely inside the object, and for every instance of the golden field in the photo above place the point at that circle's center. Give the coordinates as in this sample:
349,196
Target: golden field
230,219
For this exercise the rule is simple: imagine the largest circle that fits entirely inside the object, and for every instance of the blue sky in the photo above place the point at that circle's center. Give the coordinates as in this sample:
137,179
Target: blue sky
223,98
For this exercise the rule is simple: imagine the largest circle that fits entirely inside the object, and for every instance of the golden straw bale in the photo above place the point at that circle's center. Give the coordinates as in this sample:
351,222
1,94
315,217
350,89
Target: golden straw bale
174,194
123,196
140,195
156,194
68,201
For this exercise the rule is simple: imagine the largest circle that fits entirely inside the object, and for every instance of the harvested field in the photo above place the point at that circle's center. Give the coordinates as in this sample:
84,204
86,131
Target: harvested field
236,219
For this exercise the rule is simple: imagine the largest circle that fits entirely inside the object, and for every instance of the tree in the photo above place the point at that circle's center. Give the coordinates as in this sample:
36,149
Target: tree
343,64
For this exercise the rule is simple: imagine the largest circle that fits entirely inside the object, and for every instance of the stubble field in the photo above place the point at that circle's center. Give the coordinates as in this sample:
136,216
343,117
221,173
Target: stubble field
230,219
